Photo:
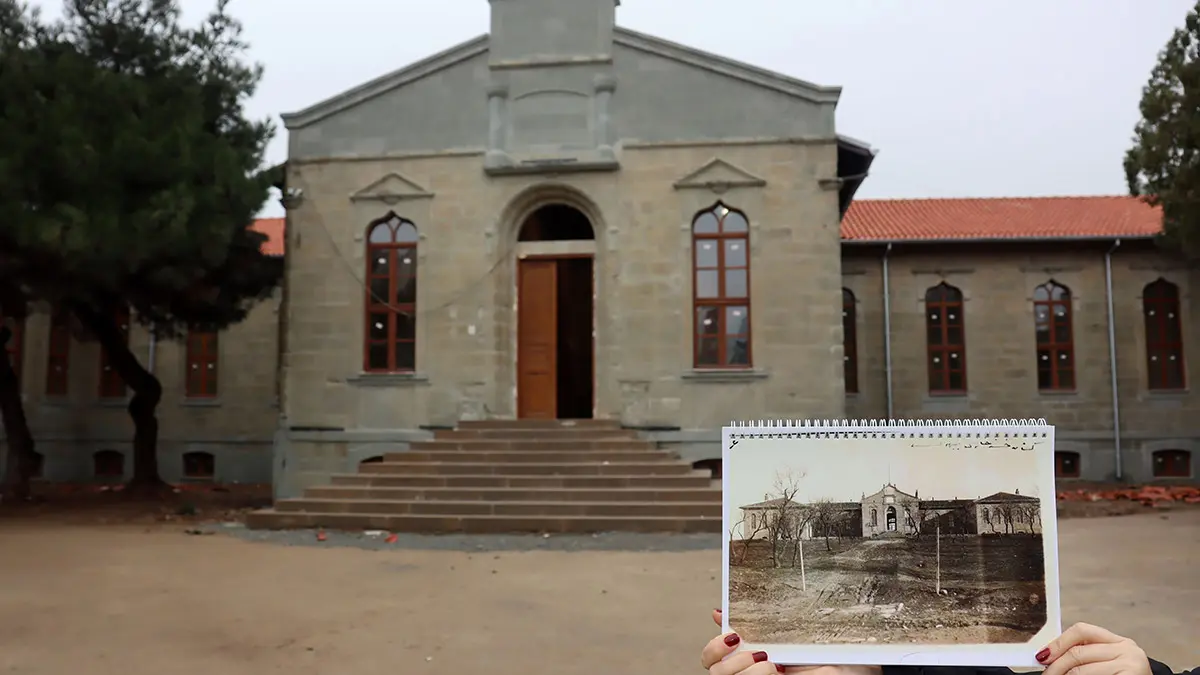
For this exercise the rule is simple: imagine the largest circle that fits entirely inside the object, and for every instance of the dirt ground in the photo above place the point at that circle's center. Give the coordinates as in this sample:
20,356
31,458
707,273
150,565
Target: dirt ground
883,590
145,598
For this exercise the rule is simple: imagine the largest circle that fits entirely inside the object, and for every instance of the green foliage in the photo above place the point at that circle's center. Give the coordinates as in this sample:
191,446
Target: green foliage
1163,166
129,172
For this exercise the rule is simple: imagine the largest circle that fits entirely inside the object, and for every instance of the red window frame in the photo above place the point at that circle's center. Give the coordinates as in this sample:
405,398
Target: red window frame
946,339
1171,463
1064,461
203,363
721,289
390,320
850,341
1054,333
111,384
15,349
1164,337
58,354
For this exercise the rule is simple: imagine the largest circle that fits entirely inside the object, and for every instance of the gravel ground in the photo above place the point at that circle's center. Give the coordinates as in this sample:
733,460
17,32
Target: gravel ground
610,541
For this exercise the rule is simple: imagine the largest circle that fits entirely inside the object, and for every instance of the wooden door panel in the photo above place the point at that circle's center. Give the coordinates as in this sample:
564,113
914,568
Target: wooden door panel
537,339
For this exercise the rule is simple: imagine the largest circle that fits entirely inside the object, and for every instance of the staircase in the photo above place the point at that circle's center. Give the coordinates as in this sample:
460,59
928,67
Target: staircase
500,476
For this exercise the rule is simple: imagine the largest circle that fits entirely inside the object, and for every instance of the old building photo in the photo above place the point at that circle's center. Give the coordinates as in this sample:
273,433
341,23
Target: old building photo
888,541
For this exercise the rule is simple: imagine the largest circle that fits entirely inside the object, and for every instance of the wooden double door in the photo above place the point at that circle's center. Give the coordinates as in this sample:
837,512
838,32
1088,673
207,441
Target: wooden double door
555,337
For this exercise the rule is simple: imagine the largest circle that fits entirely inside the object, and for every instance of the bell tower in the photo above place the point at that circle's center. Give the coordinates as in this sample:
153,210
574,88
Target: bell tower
551,86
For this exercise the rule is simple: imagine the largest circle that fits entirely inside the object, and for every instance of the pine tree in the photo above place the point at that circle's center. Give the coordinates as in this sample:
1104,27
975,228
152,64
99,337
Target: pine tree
129,177
1163,166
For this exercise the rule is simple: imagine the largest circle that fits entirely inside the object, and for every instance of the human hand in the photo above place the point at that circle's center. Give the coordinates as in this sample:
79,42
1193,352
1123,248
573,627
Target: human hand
756,663
1084,649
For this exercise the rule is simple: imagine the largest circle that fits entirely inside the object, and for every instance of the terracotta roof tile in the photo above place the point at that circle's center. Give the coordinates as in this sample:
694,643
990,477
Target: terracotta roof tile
274,229
999,218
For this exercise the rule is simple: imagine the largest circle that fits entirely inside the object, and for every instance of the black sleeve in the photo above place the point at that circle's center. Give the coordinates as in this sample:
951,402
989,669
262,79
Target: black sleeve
1158,668
952,670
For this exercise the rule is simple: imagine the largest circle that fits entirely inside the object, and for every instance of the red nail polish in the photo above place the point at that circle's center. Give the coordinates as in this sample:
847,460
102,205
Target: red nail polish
732,639
759,657
779,668
717,610
1043,655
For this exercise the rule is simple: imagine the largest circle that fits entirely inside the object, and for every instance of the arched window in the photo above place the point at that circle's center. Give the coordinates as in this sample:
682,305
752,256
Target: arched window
874,517
1172,464
111,384
199,465
58,354
108,464
391,317
849,341
1066,464
721,288
1055,341
945,340
1164,335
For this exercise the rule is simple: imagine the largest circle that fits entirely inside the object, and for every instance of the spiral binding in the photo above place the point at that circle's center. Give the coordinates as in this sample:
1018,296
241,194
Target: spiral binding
908,428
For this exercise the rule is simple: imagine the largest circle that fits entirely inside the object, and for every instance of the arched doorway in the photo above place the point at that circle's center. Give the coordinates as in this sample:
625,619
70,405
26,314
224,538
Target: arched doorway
891,519
555,318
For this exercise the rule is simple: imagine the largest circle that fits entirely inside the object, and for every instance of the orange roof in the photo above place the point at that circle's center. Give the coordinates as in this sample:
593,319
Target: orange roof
273,228
999,218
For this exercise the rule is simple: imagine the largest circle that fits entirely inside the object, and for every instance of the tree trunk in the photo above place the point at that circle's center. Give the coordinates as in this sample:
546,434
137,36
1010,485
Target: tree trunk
18,465
147,392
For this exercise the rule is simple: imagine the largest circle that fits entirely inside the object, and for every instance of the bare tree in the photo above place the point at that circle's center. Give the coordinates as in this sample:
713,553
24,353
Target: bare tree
757,526
825,517
781,510
1008,516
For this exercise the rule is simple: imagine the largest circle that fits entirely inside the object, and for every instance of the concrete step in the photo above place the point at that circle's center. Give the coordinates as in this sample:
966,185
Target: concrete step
528,468
550,434
271,519
533,494
527,445
480,508
539,424
520,457
692,479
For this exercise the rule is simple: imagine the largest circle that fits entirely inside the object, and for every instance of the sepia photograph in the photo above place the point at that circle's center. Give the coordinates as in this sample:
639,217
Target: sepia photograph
919,541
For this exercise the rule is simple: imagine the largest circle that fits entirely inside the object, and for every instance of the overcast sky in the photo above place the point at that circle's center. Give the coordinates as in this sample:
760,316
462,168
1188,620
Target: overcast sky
843,470
962,98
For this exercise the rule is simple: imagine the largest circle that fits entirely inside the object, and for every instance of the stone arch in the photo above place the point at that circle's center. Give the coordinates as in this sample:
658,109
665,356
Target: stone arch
527,201
505,249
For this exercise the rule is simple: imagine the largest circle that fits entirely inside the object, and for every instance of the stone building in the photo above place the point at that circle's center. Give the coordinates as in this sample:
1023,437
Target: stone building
219,408
891,512
605,224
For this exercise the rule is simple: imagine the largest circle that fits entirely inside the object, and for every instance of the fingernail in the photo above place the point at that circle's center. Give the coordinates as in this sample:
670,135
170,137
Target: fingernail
778,667
1043,655
717,610
759,657
732,639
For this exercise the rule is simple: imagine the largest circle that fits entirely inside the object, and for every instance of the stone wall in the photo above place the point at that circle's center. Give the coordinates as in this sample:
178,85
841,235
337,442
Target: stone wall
235,427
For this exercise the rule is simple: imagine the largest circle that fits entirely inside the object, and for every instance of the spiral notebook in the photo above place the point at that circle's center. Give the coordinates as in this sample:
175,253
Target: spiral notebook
891,542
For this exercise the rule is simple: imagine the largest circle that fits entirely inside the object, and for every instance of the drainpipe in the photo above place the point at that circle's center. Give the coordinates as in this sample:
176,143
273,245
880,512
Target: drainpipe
887,331
1112,361
153,351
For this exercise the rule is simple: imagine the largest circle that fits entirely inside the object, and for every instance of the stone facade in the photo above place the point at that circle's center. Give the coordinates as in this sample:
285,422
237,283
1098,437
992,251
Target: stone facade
891,512
83,436
998,283
630,135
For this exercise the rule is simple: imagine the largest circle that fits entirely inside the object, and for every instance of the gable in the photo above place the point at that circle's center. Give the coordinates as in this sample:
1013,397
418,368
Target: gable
391,189
663,92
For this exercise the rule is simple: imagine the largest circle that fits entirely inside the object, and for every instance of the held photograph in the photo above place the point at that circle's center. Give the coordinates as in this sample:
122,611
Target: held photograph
870,542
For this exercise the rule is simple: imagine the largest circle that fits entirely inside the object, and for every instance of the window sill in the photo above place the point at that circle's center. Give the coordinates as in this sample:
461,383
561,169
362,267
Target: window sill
201,402
946,395
389,380
1167,393
1058,393
722,375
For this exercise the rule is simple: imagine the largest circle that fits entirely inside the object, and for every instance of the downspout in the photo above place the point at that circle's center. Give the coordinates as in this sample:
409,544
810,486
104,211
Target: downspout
1112,361
887,331
153,352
